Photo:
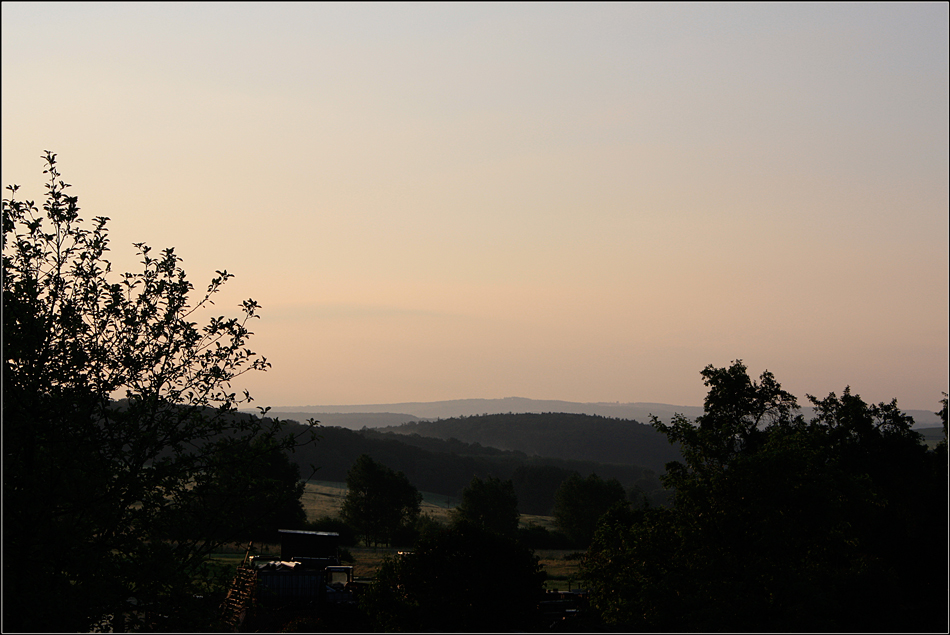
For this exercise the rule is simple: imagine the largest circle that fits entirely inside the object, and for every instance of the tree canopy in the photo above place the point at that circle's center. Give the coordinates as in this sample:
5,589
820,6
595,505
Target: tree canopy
118,414
460,577
580,502
782,524
249,492
490,504
379,501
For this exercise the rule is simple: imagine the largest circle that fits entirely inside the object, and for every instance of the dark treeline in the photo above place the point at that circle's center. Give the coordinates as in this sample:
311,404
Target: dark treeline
782,523
447,466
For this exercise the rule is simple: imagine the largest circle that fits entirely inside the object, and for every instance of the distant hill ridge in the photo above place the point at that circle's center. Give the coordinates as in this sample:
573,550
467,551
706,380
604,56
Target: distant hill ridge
577,437
383,415
395,413
446,466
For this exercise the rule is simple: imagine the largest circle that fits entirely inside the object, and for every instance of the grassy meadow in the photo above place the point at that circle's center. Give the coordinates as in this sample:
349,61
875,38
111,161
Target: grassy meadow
324,498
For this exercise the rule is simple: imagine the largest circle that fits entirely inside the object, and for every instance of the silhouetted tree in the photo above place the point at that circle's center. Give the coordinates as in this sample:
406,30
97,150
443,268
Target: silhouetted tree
779,524
378,501
92,485
490,504
248,493
536,486
579,503
461,578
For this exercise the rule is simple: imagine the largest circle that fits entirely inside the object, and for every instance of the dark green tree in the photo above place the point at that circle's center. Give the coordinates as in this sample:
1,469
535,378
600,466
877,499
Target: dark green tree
490,504
116,404
579,503
462,578
379,501
781,524
536,486
251,490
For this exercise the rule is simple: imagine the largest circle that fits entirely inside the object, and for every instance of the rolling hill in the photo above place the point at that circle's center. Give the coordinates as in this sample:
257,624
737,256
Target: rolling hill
356,417
446,466
576,437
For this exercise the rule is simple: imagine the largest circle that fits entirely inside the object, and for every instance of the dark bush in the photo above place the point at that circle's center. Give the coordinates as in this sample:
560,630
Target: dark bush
459,578
538,537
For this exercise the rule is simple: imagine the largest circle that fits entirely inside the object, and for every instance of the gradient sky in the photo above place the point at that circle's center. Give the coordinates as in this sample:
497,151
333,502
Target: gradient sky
556,201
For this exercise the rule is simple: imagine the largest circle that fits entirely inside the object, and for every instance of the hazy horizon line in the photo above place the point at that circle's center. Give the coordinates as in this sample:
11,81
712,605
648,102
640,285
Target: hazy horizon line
661,407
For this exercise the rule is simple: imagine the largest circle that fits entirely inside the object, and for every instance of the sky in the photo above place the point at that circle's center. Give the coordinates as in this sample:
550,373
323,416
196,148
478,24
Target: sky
585,202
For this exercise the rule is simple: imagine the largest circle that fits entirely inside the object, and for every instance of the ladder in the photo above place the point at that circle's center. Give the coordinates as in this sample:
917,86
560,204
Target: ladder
240,594
239,597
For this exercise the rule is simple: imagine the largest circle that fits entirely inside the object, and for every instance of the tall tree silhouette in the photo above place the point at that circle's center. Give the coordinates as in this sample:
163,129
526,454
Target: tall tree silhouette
782,524
580,502
378,500
116,408
490,504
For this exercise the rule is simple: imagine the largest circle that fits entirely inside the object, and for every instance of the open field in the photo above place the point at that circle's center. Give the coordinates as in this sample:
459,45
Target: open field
562,568
324,498
321,499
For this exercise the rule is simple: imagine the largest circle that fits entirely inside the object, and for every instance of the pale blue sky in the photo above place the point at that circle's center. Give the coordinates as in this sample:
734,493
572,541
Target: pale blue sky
556,201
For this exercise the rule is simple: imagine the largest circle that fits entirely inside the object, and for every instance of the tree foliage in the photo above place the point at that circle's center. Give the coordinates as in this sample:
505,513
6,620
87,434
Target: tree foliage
249,492
536,486
460,577
490,504
579,503
837,523
118,412
379,501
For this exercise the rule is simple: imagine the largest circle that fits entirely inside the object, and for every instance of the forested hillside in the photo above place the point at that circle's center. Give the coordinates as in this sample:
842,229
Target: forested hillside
448,465
560,435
